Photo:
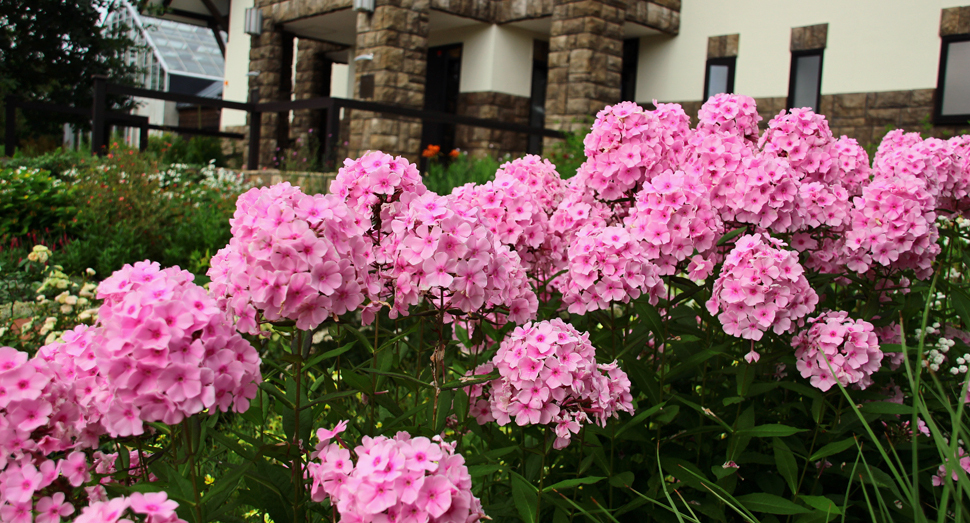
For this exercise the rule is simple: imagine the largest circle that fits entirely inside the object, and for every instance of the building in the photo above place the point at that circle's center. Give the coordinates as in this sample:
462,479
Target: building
865,64
175,57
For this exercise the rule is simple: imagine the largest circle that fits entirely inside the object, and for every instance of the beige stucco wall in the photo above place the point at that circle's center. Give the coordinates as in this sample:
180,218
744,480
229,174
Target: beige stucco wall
494,58
873,45
236,86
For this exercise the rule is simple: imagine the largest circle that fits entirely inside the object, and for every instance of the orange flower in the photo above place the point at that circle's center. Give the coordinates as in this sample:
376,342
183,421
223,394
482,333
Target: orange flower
431,151
454,153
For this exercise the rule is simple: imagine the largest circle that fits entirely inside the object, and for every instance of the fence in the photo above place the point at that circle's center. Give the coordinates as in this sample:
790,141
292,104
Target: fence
102,119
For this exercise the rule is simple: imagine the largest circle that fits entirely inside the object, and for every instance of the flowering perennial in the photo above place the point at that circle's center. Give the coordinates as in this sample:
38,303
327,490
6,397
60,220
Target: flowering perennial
730,113
452,259
673,218
548,375
761,286
292,256
167,350
374,179
608,265
626,147
836,342
154,506
404,479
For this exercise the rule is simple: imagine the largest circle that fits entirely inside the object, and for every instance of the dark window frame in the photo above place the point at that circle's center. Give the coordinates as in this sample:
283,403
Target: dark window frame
731,62
938,117
795,55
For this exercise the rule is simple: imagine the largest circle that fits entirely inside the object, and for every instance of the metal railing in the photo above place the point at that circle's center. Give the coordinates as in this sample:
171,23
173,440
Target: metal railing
102,119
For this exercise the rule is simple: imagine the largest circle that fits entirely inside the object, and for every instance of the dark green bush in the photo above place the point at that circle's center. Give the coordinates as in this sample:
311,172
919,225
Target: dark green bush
34,201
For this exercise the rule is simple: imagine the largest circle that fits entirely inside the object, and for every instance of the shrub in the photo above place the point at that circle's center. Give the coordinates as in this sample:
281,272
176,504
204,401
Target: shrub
34,202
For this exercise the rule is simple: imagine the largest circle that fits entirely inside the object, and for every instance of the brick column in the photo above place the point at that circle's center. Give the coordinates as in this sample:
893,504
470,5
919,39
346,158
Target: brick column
312,81
266,55
396,34
585,60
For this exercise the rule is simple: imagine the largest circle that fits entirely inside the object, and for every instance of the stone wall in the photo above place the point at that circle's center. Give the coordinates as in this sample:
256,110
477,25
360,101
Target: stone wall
396,34
585,59
479,141
312,81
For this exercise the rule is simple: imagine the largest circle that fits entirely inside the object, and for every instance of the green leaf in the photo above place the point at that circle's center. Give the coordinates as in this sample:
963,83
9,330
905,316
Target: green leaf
224,487
569,483
771,430
771,504
832,448
397,375
821,503
785,461
330,354
639,418
622,480
525,496
731,235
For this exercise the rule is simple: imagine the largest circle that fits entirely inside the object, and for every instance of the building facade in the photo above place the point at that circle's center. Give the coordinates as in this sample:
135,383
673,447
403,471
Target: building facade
865,64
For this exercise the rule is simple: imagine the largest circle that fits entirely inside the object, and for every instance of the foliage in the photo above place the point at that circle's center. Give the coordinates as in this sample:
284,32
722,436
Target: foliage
131,210
56,302
172,149
33,201
444,174
57,161
568,154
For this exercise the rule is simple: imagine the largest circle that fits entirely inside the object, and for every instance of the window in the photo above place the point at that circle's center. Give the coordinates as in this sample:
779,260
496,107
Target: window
628,73
805,82
952,105
719,77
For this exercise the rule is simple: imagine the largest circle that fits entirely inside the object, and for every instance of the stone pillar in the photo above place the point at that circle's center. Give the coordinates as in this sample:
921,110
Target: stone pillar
313,70
479,141
266,55
585,61
396,34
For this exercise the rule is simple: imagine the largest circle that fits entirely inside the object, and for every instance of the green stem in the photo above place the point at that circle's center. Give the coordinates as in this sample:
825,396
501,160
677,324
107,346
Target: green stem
190,453
542,476
297,459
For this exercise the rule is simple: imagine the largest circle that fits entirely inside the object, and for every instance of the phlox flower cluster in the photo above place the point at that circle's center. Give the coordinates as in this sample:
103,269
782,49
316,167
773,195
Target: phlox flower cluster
150,507
893,225
955,190
400,479
48,407
167,350
765,194
548,375
729,113
834,342
511,212
292,256
852,162
626,147
607,265
675,132
539,175
804,139
673,217
718,159
761,286
451,258
374,179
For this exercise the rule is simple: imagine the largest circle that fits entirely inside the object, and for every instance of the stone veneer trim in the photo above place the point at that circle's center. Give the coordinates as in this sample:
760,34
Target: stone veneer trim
724,46
809,37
